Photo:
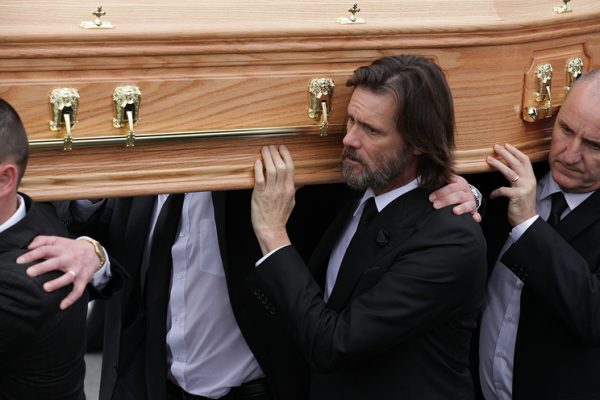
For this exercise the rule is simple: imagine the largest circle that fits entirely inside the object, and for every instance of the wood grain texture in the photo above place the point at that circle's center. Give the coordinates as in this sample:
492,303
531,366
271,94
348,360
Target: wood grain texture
230,65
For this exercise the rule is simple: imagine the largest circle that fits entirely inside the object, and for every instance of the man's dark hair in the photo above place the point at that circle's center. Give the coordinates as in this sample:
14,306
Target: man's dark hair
13,139
425,110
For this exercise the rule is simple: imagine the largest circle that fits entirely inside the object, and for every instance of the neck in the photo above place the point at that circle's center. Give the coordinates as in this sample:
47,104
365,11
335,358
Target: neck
8,207
398,182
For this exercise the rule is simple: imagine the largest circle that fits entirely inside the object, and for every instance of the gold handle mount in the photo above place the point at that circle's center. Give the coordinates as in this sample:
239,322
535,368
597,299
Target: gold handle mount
574,69
320,93
64,103
543,95
126,102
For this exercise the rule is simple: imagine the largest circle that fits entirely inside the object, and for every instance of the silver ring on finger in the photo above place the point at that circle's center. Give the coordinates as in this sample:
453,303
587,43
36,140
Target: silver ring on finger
72,273
515,178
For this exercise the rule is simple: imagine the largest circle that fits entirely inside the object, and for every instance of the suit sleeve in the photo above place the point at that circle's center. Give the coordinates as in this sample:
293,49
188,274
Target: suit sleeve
436,273
559,275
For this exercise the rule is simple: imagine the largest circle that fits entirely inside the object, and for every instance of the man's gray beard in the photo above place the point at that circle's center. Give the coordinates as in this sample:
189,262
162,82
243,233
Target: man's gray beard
387,169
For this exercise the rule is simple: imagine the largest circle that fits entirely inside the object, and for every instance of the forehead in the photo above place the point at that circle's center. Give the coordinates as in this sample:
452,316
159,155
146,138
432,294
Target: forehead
581,110
367,104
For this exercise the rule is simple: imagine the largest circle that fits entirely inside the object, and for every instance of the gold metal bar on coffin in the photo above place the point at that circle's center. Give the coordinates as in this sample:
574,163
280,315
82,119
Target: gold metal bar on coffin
177,136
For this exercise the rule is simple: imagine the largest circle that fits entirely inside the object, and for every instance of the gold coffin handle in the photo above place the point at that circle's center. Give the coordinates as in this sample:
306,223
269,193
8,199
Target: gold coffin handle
64,103
573,69
542,96
126,102
320,93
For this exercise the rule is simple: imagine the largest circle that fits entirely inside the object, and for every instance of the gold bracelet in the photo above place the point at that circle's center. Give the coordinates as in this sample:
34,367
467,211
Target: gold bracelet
97,248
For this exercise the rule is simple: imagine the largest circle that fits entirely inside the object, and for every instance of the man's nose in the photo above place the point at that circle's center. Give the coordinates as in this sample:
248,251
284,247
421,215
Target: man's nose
351,138
572,153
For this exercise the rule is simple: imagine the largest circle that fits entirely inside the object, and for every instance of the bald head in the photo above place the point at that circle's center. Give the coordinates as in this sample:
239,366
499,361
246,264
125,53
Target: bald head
591,80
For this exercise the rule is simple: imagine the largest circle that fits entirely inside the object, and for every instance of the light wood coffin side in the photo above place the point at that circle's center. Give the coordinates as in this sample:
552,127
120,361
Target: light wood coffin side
231,79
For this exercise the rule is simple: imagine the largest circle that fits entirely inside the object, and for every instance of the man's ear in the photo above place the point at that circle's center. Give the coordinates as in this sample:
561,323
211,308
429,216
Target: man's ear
9,176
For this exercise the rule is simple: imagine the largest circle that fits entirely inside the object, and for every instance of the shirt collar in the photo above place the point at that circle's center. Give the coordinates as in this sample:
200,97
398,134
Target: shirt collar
386,198
548,186
17,216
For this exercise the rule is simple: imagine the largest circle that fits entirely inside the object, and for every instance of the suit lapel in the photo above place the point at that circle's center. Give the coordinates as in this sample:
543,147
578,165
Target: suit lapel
581,218
387,230
136,232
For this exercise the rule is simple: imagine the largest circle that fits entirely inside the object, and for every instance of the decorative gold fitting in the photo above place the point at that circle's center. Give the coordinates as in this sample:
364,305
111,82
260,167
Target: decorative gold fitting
130,139
68,139
352,19
320,93
64,103
153,138
543,95
97,23
574,69
126,101
565,8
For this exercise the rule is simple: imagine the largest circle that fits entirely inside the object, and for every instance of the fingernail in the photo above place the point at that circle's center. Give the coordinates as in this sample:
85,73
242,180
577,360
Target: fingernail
46,288
20,260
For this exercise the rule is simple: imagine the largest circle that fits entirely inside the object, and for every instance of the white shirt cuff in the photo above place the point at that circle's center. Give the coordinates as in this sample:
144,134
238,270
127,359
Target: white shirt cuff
269,254
520,229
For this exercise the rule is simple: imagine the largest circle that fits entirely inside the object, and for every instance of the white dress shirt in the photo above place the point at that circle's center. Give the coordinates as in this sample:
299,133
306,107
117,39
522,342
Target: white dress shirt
339,249
206,352
502,308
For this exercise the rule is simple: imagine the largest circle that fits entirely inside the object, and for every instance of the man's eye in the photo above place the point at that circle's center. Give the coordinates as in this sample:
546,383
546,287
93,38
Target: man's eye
370,129
594,145
567,131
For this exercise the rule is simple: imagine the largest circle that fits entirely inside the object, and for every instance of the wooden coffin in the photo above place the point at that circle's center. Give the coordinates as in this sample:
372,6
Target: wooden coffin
219,79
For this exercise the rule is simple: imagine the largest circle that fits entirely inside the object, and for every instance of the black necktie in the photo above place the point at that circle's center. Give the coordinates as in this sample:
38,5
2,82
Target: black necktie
369,212
559,204
156,291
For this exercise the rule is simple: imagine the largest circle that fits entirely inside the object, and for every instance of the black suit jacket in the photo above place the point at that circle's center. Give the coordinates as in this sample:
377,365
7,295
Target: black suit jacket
123,228
41,347
557,351
398,322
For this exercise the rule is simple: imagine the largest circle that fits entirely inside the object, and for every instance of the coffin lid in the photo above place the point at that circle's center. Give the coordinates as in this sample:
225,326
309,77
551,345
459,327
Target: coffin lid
152,20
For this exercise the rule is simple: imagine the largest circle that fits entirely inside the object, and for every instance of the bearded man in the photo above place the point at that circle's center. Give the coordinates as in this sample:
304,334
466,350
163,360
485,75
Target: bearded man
390,298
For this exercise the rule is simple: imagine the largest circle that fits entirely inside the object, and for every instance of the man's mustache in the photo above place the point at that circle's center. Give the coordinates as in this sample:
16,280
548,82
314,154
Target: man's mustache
350,153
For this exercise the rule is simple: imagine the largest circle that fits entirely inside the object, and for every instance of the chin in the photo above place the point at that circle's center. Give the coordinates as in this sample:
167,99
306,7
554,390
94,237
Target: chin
568,184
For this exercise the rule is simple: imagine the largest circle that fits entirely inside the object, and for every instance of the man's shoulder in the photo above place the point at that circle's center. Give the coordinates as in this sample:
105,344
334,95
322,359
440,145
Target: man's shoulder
44,216
29,291
417,208
26,309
